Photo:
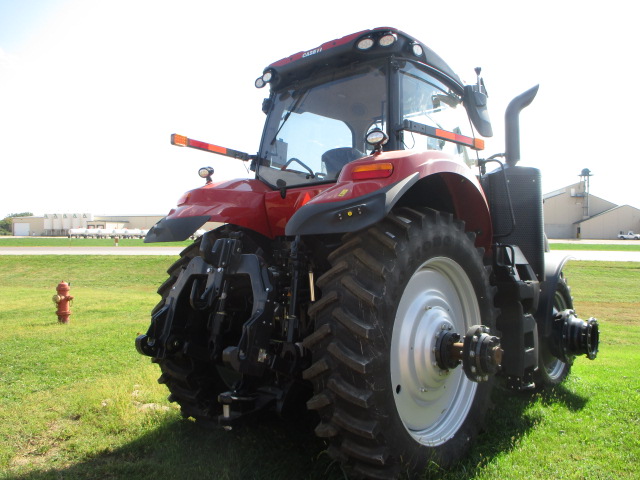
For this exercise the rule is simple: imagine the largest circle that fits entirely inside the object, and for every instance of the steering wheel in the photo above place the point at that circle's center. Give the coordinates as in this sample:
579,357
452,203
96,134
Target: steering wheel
302,164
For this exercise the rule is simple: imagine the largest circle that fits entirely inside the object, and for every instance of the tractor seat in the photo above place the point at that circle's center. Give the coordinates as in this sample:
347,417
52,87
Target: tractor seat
336,158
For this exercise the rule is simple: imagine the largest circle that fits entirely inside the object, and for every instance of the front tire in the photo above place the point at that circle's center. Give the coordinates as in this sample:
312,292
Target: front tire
384,404
551,370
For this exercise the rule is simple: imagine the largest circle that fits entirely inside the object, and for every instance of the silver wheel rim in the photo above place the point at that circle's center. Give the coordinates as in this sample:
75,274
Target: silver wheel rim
554,366
432,403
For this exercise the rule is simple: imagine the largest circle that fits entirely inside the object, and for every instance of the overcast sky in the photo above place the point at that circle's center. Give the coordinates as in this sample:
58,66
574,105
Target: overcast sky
90,90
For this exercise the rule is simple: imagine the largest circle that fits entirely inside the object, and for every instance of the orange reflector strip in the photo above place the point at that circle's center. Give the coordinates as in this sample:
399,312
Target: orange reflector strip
478,144
372,170
374,167
214,148
182,141
475,143
305,199
179,140
446,135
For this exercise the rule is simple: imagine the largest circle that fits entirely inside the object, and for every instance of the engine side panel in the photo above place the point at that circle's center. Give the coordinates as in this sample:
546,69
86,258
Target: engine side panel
521,189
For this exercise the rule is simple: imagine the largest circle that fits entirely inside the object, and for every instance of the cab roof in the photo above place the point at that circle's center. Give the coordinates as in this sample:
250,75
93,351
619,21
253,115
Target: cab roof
379,42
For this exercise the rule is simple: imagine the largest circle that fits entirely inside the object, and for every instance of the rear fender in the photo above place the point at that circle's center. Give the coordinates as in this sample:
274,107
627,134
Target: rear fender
432,179
554,262
240,202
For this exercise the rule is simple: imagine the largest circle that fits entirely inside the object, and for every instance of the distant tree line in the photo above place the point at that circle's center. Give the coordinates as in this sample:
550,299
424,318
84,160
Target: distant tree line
7,222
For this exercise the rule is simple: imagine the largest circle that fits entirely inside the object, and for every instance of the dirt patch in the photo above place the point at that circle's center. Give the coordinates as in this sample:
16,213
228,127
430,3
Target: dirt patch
38,450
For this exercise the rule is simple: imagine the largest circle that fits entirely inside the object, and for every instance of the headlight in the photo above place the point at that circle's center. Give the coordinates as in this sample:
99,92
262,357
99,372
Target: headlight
365,43
387,39
205,172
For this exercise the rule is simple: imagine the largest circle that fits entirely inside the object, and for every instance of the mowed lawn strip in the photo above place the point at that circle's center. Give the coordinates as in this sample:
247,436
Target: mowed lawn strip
77,400
84,242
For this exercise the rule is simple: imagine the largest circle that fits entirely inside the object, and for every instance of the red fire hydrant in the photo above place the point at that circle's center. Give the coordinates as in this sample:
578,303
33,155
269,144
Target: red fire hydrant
62,299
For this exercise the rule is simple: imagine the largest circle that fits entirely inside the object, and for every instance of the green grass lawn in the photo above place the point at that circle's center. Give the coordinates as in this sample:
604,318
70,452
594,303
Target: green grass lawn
83,242
78,402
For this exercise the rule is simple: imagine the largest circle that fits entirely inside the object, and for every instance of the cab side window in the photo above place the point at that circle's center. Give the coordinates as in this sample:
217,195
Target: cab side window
427,101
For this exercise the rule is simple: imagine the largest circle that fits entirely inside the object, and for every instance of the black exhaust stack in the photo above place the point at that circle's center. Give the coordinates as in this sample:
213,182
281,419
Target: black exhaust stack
515,193
512,124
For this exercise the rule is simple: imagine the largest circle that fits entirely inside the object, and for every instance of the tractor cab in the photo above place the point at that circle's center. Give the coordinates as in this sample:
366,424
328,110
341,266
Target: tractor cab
325,102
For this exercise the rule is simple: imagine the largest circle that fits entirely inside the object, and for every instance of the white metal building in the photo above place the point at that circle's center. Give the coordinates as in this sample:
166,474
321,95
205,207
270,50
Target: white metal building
27,226
58,224
572,212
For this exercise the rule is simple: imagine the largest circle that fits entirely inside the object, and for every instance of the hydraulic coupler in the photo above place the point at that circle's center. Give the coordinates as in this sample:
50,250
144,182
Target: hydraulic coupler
573,336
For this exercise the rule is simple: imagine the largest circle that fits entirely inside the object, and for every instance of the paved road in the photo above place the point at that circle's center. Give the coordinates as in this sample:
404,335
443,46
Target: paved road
175,251
598,255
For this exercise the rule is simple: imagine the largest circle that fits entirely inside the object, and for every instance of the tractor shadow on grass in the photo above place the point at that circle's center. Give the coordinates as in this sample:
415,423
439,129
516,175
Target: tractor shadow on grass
181,449
277,449
511,417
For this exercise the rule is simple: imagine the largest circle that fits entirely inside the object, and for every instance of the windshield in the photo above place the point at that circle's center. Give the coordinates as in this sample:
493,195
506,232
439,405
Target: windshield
312,131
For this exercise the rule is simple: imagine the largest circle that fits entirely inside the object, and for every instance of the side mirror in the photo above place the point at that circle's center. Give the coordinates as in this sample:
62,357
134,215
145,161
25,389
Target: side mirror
475,102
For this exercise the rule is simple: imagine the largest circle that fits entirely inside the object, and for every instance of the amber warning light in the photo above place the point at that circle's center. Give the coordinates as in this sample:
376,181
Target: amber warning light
182,141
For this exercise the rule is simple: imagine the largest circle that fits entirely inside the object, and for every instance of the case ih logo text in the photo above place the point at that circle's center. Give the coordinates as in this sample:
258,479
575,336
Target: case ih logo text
311,52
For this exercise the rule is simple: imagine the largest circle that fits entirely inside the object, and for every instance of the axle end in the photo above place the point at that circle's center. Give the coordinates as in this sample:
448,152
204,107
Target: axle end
577,336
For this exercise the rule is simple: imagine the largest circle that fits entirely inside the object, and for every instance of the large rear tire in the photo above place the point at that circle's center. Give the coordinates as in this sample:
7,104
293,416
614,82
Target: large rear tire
385,405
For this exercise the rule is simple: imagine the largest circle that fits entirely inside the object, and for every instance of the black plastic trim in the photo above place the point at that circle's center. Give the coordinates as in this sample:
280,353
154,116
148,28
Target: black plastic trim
553,268
175,229
348,215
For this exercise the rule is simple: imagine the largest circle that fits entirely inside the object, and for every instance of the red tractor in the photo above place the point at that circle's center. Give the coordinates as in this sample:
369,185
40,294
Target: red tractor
367,271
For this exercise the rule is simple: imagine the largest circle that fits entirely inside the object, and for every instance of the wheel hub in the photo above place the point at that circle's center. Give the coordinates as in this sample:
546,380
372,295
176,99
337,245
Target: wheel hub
423,346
